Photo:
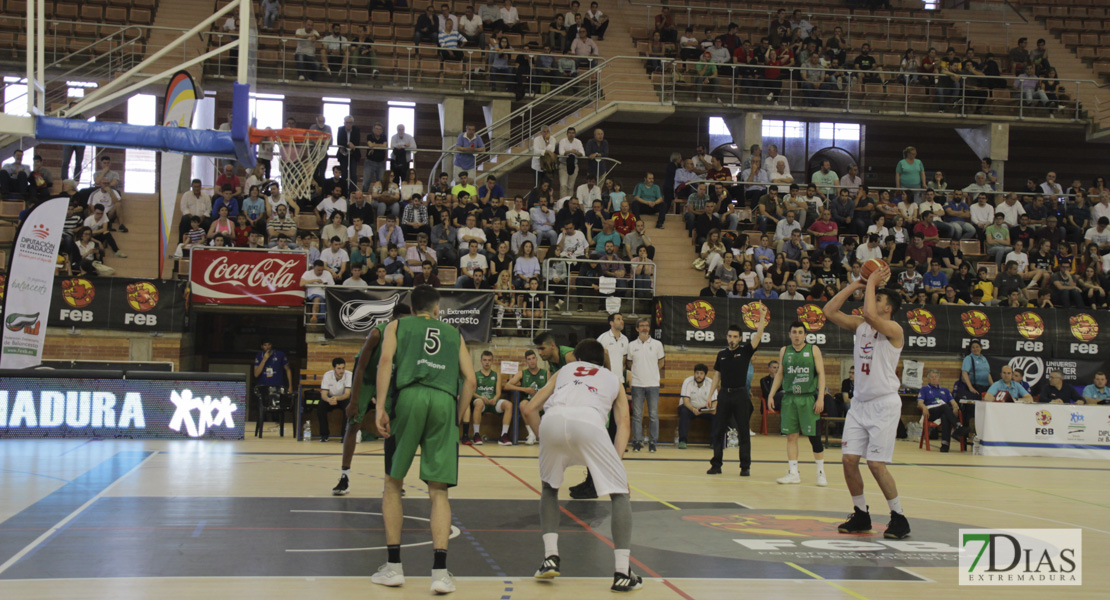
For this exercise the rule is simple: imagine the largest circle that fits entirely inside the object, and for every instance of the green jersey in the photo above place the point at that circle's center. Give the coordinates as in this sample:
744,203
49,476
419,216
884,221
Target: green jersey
487,384
799,371
563,352
370,373
427,354
537,381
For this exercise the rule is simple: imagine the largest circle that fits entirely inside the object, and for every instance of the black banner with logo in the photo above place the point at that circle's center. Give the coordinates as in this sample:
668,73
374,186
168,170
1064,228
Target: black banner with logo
1077,372
352,311
949,329
119,303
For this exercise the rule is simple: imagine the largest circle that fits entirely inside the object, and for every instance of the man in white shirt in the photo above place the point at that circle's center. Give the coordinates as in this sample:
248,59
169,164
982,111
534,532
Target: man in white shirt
786,225
770,164
616,345
570,150
305,54
542,144
596,22
589,191
356,280
980,185
694,402
571,243
470,25
333,202
1101,208
335,258
444,16
1099,234
403,148
791,292
872,249
194,203
1050,187
852,180
982,213
313,281
510,19
516,214
1012,209
335,392
336,49
358,229
468,264
645,357
108,198
470,233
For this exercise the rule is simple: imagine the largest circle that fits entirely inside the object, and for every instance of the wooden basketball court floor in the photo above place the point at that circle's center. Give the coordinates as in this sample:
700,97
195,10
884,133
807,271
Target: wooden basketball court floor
256,519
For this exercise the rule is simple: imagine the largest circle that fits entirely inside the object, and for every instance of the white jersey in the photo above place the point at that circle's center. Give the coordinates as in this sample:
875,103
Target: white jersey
876,361
584,385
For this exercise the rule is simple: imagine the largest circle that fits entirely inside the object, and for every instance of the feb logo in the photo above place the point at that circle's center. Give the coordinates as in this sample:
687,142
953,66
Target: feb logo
700,313
812,317
857,311
922,321
77,292
142,296
659,312
1084,327
1030,325
774,525
976,323
753,313
1043,417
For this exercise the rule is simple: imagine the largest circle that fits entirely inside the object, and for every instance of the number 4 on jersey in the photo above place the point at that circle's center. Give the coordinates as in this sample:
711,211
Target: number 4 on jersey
866,368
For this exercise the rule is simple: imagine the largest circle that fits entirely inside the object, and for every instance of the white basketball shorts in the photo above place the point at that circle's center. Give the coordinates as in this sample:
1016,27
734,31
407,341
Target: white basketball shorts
871,427
574,436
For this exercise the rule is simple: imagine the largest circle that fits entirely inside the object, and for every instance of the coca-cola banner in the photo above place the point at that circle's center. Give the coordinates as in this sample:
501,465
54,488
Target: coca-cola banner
236,276
118,303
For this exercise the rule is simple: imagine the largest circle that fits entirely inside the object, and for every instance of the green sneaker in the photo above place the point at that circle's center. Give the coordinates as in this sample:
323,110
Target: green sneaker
682,445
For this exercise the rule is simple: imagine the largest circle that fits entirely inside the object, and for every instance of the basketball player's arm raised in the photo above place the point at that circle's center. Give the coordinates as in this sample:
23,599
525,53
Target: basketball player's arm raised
887,327
819,363
832,307
777,383
469,381
385,372
367,351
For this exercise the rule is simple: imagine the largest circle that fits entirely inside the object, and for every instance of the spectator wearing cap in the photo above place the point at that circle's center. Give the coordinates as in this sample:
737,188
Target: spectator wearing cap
694,402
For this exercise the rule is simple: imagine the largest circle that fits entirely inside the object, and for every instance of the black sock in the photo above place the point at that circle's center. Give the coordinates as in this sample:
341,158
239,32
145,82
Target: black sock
439,559
394,552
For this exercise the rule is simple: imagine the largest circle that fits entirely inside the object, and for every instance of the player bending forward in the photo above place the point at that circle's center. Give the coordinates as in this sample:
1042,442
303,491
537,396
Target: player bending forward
802,377
577,401
872,422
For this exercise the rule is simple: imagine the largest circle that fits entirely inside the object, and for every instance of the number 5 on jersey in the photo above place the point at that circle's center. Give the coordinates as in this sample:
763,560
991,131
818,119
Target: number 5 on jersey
431,342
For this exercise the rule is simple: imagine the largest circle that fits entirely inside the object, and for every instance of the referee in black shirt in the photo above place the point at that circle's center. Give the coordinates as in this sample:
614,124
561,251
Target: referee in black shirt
730,381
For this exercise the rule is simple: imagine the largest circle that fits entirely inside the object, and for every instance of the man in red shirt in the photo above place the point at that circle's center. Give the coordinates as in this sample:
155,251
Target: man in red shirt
926,228
624,221
228,177
825,231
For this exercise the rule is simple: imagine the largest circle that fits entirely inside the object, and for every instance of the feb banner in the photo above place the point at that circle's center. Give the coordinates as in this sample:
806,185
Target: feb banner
118,303
949,329
1065,430
29,283
257,278
353,311
181,100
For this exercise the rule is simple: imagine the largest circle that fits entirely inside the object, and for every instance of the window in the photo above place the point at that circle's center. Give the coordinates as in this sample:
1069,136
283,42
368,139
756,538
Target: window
75,90
931,5
401,113
719,133
204,117
781,129
140,165
15,96
268,110
335,110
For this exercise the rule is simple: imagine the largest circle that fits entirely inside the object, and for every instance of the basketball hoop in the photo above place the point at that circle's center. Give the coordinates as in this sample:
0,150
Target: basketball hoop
300,150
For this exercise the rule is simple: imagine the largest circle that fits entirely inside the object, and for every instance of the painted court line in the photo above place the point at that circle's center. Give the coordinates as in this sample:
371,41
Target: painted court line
819,578
73,515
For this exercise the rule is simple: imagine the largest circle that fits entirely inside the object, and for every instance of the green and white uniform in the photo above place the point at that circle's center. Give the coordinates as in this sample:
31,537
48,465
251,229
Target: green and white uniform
486,388
799,385
425,411
368,390
563,352
537,381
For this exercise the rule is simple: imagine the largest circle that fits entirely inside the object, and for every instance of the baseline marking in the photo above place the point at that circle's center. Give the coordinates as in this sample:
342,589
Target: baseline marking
819,578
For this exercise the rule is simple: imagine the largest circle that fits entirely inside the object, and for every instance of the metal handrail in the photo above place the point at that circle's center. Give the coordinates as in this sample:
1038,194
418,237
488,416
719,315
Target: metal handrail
809,13
632,289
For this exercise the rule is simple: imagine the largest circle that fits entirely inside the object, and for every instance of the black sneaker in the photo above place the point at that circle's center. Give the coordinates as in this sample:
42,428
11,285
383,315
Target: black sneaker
626,583
583,491
324,440
637,446
944,448
549,569
651,446
713,471
898,528
745,472
340,488
858,522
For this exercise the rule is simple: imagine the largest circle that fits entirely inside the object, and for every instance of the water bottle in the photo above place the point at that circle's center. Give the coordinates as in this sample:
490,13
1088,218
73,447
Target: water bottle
308,431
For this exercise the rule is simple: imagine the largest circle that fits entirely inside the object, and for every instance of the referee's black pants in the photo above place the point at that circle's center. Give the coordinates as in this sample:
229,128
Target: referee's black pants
732,403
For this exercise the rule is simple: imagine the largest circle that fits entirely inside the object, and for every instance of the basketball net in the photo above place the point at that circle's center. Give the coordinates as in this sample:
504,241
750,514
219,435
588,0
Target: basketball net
299,151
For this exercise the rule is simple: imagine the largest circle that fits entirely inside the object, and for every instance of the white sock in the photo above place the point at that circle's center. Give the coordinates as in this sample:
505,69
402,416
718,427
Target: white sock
504,430
345,471
895,505
820,465
859,502
476,428
622,560
793,467
529,428
550,544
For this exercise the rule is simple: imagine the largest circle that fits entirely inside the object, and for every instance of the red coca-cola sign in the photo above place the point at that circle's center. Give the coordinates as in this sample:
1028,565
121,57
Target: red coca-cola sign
247,277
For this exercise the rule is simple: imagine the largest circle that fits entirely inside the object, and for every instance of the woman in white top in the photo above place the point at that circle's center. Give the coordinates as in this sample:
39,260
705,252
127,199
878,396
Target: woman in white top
527,265
412,186
909,68
642,272
879,227
899,231
749,276
257,176
804,276
907,208
89,250
712,250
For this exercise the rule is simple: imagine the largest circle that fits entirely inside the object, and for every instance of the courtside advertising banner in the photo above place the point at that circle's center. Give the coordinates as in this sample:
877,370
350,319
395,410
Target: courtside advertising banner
351,312
173,406
1063,430
257,278
30,282
181,100
118,303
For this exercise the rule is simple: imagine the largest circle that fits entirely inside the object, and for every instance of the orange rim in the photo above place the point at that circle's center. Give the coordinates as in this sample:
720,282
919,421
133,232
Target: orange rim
286,135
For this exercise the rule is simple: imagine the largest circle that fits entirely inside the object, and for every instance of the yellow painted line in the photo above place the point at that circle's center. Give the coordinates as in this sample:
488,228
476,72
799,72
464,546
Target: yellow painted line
656,498
835,585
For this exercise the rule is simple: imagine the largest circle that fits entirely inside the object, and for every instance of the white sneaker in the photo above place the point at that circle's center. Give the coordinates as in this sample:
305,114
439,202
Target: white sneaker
358,437
121,254
389,575
443,582
821,481
531,441
790,478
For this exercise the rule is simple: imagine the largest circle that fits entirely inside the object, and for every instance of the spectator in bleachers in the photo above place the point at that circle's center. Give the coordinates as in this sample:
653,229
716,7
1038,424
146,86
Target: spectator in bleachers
335,257
1019,56
281,225
1031,87
331,203
386,195
471,265
243,231
305,53
444,16
998,238
254,207
509,20
336,52
584,48
1065,291
569,151
957,215
471,28
556,35
443,239
271,9
194,203
596,22
390,233
222,224
314,281
694,402
449,41
664,24
1011,209
98,222
416,256
336,228
403,148
648,197
499,67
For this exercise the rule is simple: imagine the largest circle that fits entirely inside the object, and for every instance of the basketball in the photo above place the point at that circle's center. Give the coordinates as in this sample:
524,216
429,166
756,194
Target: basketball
870,267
